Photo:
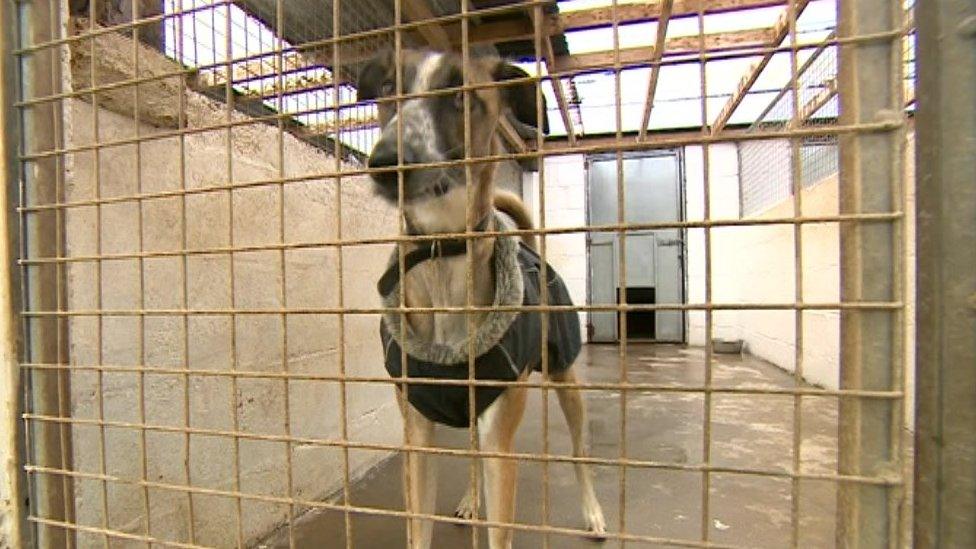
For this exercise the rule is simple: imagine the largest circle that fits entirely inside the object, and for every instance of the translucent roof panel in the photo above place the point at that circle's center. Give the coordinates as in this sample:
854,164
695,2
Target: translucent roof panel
628,36
743,20
593,107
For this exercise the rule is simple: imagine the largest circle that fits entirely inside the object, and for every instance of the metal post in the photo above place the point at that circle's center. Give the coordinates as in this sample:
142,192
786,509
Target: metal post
45,338
12,509
871,267
945,432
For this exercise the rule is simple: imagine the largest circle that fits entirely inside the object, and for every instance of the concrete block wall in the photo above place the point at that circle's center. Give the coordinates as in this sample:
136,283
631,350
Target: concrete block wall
218,342
565,186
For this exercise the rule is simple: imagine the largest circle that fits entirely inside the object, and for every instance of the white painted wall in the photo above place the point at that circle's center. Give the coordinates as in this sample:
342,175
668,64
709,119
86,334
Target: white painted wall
565,206
756,264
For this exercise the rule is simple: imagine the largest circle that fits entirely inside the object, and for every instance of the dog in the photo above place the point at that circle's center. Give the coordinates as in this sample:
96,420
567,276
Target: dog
436,200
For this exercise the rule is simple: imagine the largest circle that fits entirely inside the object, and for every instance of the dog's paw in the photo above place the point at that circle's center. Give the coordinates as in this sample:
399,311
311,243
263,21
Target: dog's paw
466,508
595,522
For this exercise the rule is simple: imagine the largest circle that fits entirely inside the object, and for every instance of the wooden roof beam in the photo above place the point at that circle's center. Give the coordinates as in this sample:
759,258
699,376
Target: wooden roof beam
662,32
557,88
815,103
673,46
780,32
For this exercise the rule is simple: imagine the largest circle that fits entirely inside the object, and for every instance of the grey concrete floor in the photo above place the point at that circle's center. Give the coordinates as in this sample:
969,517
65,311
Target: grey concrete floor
747,431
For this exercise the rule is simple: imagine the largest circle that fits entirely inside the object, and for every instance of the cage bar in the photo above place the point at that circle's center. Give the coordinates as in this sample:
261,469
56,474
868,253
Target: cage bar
294,81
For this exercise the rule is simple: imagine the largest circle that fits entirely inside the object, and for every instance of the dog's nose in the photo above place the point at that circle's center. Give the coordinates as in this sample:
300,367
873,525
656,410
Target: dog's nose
384,155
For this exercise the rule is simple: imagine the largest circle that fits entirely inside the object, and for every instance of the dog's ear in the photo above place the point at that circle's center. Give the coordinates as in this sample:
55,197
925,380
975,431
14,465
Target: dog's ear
520,98
373,75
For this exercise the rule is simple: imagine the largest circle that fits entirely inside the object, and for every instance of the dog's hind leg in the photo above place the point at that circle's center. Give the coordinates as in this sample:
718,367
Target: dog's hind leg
420,482
496,429
571,401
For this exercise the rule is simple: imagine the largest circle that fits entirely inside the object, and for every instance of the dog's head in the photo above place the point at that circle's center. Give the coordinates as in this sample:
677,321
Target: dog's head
433,126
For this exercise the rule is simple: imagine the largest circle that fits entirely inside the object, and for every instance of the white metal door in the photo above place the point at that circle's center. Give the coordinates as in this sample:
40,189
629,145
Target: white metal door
654,258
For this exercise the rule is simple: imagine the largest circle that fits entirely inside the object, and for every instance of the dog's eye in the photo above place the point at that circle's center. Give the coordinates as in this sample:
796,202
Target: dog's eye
387,88
458,100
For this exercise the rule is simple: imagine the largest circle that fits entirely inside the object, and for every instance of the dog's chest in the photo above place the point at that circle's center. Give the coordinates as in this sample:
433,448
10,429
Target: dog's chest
443,282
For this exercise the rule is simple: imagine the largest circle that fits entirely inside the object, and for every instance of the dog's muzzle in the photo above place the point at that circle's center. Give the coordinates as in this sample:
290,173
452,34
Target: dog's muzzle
384,155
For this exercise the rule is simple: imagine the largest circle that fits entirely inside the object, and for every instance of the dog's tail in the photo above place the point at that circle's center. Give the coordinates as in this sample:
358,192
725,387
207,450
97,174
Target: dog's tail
512,205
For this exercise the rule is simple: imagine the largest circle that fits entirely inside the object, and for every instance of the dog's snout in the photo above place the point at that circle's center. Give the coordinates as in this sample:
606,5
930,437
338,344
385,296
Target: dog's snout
384,155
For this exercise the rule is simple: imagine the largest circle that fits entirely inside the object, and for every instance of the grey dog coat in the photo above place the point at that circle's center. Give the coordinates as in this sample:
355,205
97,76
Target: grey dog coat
506,344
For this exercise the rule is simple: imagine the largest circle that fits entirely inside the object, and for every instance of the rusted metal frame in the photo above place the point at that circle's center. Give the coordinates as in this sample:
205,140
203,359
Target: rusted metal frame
872,266
64,399
945,423
845,305
381,513
141,323
621,274
893,479
782,29
796,181
471,326
340,294
662,32
283,281
365,511
42,287
401,250
14,530
378,512
588,386
185,290
610,227
542,46
594,146
234,400
705,524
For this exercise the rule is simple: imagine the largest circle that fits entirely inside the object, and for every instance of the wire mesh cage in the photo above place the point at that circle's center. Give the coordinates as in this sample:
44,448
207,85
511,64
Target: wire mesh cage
204,213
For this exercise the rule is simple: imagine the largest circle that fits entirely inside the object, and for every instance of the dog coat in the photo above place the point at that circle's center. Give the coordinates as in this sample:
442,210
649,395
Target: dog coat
506,343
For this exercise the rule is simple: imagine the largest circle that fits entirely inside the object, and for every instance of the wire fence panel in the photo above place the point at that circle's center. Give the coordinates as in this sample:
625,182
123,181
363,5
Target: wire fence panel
234,228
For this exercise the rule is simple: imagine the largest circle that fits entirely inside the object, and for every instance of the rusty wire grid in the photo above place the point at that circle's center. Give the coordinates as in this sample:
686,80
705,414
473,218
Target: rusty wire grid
165,304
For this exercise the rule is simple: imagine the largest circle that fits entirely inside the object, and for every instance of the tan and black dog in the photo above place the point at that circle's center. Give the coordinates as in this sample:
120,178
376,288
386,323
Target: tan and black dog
436,201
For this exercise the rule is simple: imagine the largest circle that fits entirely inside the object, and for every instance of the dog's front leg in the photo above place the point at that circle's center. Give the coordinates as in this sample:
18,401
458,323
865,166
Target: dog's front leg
420,482
574,409
497,427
